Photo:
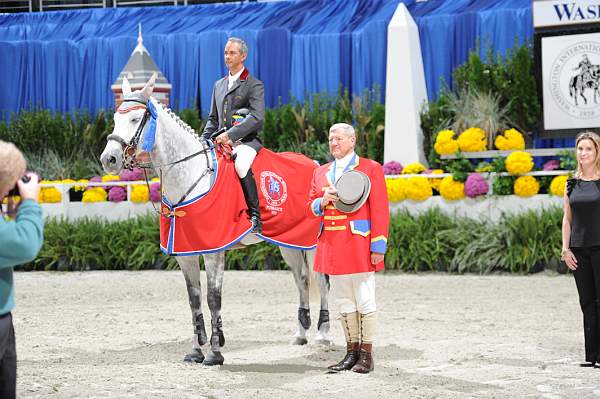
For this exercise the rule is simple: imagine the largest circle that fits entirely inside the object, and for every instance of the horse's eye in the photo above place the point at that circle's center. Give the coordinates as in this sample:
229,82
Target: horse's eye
135,120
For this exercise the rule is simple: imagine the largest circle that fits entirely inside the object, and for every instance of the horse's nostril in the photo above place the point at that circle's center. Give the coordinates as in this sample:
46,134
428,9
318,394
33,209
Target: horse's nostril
112,159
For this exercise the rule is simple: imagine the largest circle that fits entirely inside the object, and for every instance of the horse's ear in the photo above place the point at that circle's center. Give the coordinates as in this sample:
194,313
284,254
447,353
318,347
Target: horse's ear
126,87
147,90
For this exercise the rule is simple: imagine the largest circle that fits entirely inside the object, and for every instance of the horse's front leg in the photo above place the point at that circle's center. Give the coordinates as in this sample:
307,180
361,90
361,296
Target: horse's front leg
191,273
215,266
296,261
322,335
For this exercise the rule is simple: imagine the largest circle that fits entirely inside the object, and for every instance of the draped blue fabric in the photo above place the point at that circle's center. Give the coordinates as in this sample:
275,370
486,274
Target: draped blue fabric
67,60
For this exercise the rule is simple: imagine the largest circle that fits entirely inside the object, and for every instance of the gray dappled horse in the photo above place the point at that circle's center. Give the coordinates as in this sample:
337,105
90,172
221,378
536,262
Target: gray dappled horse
589,79
187,177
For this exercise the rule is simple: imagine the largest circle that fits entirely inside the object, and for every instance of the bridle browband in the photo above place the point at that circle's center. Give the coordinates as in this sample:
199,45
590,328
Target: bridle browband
130,148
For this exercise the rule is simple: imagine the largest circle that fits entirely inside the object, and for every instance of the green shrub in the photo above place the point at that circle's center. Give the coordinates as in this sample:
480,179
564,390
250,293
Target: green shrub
431,240
60,146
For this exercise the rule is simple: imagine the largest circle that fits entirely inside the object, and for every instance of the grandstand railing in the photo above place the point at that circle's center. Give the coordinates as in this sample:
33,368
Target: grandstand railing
11,6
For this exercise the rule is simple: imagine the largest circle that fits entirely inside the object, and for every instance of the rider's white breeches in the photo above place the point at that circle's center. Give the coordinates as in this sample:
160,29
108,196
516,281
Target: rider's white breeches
244,157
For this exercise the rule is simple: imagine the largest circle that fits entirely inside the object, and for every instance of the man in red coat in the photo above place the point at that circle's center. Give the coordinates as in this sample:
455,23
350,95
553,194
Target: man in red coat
351,245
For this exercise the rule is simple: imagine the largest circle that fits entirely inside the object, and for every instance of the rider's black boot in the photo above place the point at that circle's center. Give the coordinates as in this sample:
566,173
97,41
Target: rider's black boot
251,196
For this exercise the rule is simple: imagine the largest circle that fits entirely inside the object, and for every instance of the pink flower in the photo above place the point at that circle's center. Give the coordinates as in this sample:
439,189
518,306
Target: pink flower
551,165
476,185
132,175
155,195
117,194
392,168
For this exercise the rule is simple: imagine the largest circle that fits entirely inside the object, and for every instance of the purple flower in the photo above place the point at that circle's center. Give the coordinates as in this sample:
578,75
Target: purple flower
551,165
132,175
392,168
117,194
476,185
155,192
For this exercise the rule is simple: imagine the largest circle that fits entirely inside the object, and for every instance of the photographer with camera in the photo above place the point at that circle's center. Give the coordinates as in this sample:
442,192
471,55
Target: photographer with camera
21,237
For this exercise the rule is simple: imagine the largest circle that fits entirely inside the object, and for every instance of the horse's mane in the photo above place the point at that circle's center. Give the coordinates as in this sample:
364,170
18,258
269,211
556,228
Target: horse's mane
166,111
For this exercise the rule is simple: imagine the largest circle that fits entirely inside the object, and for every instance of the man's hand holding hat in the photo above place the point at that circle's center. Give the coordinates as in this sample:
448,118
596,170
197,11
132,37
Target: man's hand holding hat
329,197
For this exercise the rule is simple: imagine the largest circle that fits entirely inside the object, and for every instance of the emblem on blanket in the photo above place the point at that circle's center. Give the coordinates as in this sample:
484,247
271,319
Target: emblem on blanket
274,190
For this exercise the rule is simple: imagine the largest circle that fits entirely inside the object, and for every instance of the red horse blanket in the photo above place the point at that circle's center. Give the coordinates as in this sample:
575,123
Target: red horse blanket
217,219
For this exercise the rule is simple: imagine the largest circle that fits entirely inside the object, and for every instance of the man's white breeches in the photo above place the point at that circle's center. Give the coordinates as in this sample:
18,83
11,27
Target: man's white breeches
244,157
354,292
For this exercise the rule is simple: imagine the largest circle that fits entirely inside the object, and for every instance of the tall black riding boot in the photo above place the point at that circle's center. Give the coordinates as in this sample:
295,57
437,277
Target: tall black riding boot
251,196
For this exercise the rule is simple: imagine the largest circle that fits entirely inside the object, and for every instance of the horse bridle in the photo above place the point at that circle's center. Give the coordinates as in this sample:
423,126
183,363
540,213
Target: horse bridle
130,161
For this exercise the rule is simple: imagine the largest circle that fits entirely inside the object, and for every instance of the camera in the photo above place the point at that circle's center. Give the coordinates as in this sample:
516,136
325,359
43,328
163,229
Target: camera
15,190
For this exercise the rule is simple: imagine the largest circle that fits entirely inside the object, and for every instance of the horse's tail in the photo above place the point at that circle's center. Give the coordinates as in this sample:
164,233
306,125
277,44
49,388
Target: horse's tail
572,84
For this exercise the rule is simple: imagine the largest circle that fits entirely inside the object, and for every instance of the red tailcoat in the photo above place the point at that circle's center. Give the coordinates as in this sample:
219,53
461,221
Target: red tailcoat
347,239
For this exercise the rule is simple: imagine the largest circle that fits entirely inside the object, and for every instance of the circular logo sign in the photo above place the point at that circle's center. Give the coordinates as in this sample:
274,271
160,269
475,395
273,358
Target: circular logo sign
273,188
575,80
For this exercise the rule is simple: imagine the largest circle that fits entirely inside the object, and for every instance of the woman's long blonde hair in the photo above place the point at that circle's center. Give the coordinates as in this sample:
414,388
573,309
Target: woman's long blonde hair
595,139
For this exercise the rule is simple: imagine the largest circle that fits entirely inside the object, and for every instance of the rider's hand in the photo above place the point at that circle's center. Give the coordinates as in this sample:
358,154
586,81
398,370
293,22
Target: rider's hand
223,138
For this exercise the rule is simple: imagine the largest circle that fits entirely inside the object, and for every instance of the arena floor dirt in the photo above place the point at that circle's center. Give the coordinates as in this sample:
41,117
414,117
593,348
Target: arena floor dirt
124,334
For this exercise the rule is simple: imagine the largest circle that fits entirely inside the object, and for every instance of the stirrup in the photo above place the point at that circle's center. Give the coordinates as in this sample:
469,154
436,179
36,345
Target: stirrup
256,224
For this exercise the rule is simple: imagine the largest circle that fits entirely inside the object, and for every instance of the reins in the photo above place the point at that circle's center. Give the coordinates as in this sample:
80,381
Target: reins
130,162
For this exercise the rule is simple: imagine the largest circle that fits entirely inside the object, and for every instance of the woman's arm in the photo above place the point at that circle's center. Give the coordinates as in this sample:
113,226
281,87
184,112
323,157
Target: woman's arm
566,253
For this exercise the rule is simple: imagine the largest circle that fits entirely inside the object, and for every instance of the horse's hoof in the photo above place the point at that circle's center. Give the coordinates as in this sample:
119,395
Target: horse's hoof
213,359
324,342
195,356
299,341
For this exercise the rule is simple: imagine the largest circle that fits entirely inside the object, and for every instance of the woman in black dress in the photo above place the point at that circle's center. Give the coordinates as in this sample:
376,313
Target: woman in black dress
581,239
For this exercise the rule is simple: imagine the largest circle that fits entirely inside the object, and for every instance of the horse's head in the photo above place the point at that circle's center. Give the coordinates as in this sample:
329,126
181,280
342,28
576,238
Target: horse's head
122,148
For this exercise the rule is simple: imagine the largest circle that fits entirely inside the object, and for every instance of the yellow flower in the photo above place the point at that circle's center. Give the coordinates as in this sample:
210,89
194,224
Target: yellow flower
452,190
519,162
558,184
110,178
156,179
139,193
94,194
433,182
396,189
512,140
81,187
445,143
484,167
50,195
418,189
526,186
413,169
472,139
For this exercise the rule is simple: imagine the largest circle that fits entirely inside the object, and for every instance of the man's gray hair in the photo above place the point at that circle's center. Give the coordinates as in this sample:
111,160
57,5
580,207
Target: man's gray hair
241,42
348,129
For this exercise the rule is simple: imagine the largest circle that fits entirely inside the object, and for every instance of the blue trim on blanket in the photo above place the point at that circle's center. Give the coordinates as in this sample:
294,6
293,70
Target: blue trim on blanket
208,251
286,245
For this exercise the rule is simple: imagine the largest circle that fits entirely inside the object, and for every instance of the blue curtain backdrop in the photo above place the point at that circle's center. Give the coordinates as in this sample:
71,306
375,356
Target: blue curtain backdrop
67,60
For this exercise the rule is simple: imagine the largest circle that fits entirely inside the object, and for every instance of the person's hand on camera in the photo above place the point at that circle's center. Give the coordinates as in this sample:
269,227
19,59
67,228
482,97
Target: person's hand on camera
31,189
